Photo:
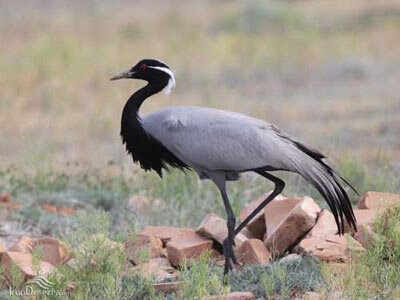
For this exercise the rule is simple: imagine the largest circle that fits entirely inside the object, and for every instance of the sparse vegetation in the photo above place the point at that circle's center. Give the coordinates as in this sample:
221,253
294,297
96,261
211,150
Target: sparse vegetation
287,277
332,69
376,273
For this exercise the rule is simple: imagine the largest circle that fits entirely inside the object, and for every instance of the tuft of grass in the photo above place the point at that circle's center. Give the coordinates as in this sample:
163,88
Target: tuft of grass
98,268
375,274
286,277
201,278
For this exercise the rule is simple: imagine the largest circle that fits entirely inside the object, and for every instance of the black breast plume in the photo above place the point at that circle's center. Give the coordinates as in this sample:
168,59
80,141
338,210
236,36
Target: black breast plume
144,148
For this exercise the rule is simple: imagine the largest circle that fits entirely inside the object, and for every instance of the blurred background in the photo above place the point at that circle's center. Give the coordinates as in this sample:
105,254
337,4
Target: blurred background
326,72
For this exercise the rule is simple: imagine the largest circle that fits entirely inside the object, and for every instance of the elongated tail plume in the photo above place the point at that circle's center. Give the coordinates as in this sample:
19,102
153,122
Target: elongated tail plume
310,164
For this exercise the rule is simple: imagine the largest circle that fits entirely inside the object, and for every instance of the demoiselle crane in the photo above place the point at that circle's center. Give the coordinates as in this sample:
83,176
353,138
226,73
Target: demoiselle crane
219,145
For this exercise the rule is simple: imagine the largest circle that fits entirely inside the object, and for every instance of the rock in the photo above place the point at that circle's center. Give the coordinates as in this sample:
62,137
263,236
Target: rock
247,233
214,227
158,268
376,200
185,248
164,264
167,233
167,287
23,263
48,208
257,225
287,221
232,296
135,243
52,250
5,198
276,211
25,244
365,235
65,210
252,251
324,226
333,248
363,217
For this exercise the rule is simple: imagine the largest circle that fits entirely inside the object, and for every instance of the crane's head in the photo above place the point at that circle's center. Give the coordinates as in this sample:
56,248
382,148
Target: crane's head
152,71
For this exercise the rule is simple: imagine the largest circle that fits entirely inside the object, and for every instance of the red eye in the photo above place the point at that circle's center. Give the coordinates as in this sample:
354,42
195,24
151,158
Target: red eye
143,66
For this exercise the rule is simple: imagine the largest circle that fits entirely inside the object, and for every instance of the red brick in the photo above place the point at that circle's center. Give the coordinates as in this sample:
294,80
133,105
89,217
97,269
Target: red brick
53,251
135,243
334,248
324,226
252,251
287,221
187,248
363,217
376,200
24,244
166,233
257,225
214,227
23,262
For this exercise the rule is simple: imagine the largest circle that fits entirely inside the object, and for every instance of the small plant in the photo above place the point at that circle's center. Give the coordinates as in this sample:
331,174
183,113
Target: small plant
201,278
289,276
376,273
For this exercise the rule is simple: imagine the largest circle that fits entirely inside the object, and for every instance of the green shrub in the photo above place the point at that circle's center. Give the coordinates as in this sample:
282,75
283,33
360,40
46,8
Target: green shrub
201,278
291,275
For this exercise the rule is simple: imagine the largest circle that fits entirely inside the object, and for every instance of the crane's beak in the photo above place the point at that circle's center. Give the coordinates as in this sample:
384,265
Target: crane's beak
125,74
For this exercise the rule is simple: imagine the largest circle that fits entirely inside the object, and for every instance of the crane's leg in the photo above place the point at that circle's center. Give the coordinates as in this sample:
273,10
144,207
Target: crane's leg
279,186
219,178
229,242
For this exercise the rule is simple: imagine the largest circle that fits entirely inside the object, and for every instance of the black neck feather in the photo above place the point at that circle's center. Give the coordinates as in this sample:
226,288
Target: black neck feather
143,147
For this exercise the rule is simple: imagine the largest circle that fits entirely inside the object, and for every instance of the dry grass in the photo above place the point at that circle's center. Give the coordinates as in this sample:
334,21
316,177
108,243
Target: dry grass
328,76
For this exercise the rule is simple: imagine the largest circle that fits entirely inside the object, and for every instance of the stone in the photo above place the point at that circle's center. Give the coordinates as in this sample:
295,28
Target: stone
214,227
324,226
276,211
287,221
137,242
232,296
334,248
48,208
167,287
365,235
25,244
22,261
160,269
5,198
167,233
257,225
377,200
52,250
363,217
252,251
183,249
247,233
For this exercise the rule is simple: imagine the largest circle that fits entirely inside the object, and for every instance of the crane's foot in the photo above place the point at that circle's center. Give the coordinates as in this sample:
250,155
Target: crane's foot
229,254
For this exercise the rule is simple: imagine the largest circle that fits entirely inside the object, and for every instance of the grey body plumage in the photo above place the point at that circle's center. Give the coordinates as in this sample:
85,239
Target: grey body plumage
219,145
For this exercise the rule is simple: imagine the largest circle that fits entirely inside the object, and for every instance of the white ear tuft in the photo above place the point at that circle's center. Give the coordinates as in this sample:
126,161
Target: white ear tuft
171,82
